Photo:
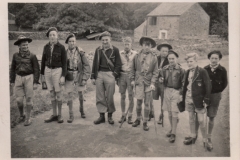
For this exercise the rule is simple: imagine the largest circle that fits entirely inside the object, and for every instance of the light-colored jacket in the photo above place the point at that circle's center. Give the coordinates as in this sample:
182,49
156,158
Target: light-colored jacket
148,70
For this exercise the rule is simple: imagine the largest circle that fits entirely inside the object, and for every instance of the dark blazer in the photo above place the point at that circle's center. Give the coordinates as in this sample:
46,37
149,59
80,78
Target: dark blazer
218,78
114,57
59,58
201,87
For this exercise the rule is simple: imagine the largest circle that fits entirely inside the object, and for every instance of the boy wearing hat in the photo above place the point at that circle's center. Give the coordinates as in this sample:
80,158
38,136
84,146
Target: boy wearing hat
106,68
78,72
143,75
196,92
24,76
124,82
162,62
53,70
172,76
219,81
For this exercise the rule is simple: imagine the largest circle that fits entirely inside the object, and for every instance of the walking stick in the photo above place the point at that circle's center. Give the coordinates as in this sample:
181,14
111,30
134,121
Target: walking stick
153,113
124,117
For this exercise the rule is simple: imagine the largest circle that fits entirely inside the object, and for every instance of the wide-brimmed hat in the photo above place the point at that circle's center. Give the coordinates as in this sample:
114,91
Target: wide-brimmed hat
173,52
148,39
106,33
51,29
69,36
164,45
127,40
22,38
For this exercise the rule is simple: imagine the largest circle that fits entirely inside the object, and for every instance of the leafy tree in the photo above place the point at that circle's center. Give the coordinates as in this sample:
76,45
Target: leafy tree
27,16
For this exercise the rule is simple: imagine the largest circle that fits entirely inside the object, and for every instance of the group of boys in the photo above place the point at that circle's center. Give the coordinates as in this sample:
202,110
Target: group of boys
145,74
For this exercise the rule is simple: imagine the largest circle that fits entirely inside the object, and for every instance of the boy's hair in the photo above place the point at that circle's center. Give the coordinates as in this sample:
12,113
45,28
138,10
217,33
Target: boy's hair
147,42
215,52
192,55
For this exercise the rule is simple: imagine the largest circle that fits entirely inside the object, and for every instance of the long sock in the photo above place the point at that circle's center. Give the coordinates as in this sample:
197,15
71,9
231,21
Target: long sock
81,102
29,108
139,112
70,106
54,107
146,114
174,125
170,119
210,128
59,107
196,124
203,129
20,108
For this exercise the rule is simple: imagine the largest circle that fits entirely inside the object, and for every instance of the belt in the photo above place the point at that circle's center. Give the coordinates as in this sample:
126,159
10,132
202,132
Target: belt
72,70
173,87
24,75
52,67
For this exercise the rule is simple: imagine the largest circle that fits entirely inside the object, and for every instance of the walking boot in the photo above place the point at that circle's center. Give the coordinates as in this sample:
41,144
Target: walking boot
145,127
71,118
22,116
172,138
209,145
190,141
110,120
169,133
28,120
136,123
130,120
122,119
101,119
53,117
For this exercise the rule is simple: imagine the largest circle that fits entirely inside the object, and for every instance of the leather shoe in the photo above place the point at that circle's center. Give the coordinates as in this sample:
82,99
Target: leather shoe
189,141
172,138
101,119
169,133
122,119
110,120
50,119
136,123
27,122
130,120
145,127
60,120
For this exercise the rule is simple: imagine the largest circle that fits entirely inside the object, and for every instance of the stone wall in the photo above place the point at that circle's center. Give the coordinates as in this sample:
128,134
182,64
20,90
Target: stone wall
194,23
13,35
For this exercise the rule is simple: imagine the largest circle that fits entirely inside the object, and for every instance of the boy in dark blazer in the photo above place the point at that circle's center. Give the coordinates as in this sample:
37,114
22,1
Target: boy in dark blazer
196,92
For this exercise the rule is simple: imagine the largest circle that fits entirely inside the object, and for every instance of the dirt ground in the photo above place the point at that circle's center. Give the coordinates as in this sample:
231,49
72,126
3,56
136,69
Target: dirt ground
84,139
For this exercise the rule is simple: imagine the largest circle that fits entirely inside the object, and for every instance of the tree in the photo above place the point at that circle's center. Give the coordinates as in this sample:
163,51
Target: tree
27,16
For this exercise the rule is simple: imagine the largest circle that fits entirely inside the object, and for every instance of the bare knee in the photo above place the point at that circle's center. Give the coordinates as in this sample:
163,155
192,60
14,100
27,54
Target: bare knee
59,96
19,101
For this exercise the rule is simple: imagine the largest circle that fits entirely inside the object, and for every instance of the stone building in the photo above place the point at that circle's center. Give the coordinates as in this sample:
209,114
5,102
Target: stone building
175,21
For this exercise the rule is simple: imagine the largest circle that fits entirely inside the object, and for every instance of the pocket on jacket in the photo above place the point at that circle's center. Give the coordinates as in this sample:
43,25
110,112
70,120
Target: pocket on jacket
199,82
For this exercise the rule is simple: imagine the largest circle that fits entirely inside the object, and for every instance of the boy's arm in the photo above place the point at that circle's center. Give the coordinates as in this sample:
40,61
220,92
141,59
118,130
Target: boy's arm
208,86
182,78
155,71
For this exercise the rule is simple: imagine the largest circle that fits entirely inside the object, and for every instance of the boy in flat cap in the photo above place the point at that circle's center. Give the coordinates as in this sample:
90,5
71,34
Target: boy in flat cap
143,75
54,70
24,76
158,92
196,92
219,81
172,77
78,72
124,82
106,68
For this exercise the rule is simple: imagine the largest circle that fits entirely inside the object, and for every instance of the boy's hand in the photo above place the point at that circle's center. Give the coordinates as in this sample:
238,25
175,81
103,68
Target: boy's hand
152,87
161,79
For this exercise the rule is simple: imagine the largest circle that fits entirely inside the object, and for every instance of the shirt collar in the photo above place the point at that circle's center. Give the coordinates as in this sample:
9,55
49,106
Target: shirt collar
130,52
23,54
54,44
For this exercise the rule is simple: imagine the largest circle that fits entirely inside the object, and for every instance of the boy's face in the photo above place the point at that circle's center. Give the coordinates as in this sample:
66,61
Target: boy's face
191,62
71,42
106,41
164,52
172,59
146,46
214,59
53,36
127,46
23,46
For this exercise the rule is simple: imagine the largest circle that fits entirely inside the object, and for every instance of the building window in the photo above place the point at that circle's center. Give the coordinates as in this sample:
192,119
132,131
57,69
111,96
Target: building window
153,21
163,34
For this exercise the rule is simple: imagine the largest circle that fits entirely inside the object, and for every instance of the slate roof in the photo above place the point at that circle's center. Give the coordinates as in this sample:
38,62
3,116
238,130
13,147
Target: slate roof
171,9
